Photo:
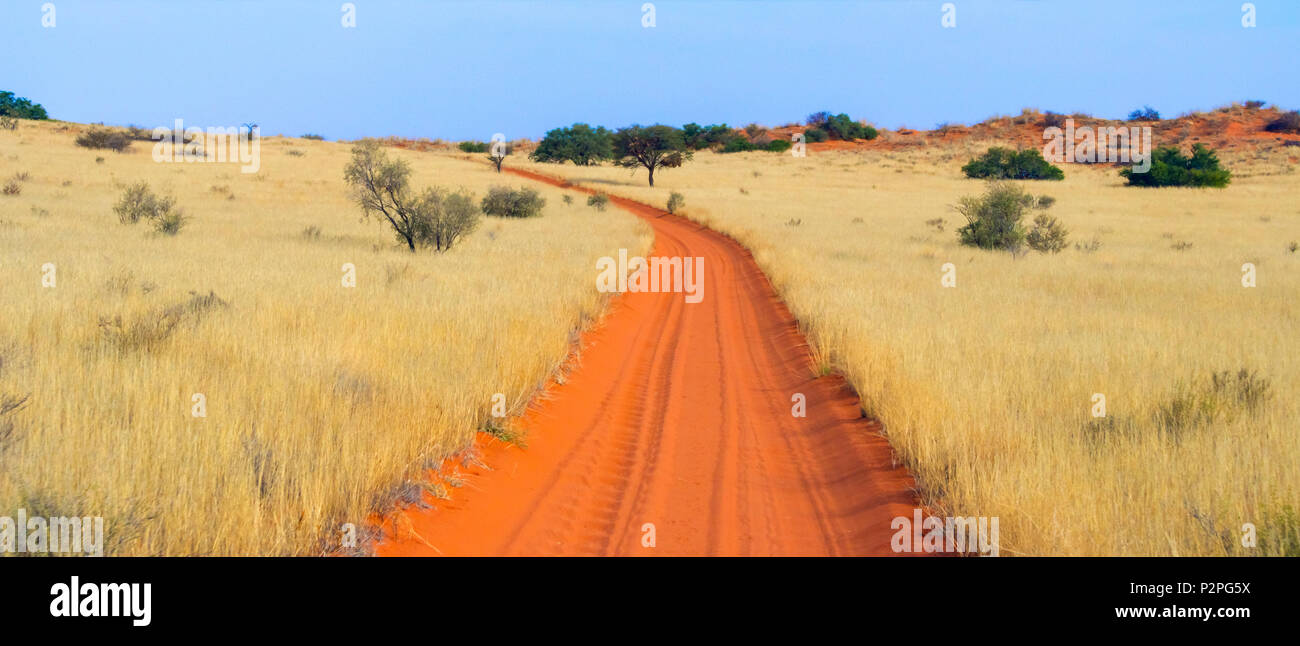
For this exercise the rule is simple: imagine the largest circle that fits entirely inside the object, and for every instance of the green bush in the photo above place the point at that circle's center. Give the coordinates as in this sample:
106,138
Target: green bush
313,137
737,145
1047,235
20,107
700,137
840,126
675,201
993,221
813,135
1145,113
598,201
1004,163
138,202
1169,167
504,202
778,146
472,147
100,138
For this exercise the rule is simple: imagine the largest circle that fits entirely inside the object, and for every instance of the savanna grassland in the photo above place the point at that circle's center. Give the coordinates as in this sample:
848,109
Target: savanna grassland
324,403
986,389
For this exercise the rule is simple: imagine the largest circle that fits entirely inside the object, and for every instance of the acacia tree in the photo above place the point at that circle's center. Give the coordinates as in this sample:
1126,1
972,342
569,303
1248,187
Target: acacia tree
580,144
381,186
497,151
653,147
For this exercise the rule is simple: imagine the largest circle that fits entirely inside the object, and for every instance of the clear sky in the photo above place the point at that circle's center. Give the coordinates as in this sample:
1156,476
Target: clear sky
465,70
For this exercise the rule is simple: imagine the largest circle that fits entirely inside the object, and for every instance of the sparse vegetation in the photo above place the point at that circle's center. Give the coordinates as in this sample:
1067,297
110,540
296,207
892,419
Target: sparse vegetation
313,137
1288,122
381,186
598,201
99,138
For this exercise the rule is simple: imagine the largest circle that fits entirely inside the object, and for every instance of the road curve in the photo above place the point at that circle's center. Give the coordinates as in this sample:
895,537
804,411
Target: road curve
674,435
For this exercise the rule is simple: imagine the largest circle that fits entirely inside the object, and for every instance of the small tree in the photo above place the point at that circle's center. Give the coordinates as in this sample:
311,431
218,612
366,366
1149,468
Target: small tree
1145,113
1004,163
381,186
579,143
1169,167
652,147
497,152
505,202
993,220
1047,235
675,201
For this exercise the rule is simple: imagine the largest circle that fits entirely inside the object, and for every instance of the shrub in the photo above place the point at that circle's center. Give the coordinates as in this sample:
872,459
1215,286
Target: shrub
737,145
504,202
440,218
568,199
169,223
1219,398
313,137
1004,163
8,123
598,200
100,138
1047,235
472,147
1255,105
20,107
138,202
1054,120
699,137
381,187
13,186
1145,113
675,201
778,145
815,135
1288,122
1169,167
993,220
840,126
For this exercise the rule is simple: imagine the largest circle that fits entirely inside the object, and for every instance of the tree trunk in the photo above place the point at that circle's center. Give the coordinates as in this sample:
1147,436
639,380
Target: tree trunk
652,175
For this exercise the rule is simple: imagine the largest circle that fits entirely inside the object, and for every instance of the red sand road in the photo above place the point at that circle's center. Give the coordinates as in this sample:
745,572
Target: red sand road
678,415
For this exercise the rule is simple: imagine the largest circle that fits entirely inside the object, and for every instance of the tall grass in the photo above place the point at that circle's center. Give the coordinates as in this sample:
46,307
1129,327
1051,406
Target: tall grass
321,401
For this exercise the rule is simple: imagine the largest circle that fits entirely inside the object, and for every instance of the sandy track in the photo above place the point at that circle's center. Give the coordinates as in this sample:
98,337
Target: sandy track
678,415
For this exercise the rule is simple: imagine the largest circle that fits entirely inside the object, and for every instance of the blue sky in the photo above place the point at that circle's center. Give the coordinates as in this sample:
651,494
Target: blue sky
465,70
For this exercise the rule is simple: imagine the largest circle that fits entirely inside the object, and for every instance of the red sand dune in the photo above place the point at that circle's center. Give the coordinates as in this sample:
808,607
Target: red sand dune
678,415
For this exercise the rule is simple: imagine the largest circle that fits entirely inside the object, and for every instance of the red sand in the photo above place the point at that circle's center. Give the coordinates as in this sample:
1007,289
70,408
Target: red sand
678,415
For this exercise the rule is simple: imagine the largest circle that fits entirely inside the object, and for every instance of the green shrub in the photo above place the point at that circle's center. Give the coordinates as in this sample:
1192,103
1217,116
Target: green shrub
313,137
993,220
472,147
737,145
100,138
505,202
700,137
840,126
1004,163
815,135
1047,235
20,107
598,201
1169,167
778,145
675,201
1288,122
170,222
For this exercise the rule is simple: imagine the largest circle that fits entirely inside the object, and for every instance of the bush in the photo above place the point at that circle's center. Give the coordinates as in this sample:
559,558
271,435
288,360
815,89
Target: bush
1255,105
815,135
381,187
1221,397
778,146
1004,163
170,222
598,200
1047,235
439,218
568,199
100,138
1054,120
699,137
20,107
1145,113
737,145
1288,122
675,201
505,202
1169,167
840,126
8,123
138,202
313,137
472,146
12,187
993,220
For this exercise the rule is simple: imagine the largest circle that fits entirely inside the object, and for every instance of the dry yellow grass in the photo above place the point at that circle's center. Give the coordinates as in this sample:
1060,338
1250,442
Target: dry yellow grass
985,389
321,400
